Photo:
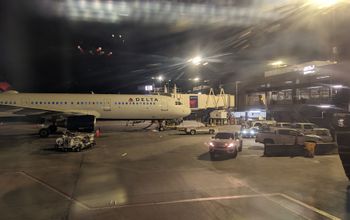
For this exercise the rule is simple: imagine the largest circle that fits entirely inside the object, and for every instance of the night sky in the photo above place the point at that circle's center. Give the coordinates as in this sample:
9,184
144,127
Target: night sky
49,53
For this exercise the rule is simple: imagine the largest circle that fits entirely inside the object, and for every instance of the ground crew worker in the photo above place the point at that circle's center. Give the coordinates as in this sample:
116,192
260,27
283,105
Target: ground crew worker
310,149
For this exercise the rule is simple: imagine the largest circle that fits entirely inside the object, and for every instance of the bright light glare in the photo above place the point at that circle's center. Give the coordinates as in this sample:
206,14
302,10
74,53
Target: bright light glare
324,3
160,78
196,60
322,77
337,86
324,106
277,63
196,79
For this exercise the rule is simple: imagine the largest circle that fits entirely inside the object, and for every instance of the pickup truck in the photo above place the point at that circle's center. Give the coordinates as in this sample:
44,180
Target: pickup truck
286,136
200,130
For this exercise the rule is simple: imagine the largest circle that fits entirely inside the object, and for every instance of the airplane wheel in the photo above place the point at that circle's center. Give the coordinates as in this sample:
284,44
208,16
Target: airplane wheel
161,129
44,132
192,132
211,131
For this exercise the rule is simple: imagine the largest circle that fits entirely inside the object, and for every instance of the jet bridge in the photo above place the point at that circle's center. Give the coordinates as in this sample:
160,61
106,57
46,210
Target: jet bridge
206,101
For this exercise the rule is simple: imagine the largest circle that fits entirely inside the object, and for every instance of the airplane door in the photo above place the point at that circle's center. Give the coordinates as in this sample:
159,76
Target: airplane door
107,105
25,102
164,105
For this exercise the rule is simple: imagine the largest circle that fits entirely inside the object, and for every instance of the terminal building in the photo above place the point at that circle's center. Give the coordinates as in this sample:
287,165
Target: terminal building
305,92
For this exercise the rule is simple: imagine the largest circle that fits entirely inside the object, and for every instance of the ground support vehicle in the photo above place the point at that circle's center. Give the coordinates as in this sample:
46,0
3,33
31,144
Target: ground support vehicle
200,130
75,141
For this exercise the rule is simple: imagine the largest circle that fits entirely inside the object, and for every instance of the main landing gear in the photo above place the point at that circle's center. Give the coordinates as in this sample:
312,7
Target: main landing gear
160,125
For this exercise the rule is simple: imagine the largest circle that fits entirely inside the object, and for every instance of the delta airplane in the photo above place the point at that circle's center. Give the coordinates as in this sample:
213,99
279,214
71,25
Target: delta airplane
80,111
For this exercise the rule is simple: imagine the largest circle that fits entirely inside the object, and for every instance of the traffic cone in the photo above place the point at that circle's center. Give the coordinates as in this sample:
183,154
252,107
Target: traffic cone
98,132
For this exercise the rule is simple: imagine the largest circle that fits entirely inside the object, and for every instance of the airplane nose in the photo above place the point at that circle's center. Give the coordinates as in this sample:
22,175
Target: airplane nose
187,111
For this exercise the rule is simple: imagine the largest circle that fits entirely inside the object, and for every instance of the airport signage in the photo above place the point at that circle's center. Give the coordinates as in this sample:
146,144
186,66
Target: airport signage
148,99
193,101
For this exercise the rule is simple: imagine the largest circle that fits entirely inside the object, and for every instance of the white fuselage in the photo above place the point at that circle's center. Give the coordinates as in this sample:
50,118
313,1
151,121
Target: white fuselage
103,106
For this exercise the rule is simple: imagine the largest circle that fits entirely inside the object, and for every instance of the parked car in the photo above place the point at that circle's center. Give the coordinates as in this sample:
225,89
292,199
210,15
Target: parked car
260,123
286,136
283,125
306,128
225,143
323,133
75,141
249,132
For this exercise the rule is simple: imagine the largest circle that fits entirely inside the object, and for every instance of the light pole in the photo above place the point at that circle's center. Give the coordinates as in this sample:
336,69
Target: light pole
236,95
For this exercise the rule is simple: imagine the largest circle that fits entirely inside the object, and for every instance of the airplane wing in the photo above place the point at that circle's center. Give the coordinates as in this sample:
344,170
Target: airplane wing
43,112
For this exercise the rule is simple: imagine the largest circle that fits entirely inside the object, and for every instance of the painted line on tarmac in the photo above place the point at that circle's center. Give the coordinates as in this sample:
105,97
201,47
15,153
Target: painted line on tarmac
319,211
215,198
63,194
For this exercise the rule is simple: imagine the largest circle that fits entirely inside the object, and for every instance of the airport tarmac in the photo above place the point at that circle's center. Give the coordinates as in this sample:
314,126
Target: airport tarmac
136,173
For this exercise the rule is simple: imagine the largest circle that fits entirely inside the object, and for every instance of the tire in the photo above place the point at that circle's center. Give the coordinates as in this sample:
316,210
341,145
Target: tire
78,149
161,128
44,132
240,148
234,155
211,131
192,132
268,141
212,156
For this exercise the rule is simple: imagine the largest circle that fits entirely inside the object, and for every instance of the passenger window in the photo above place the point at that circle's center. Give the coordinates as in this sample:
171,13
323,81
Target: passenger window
293,133
283,132
308,127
